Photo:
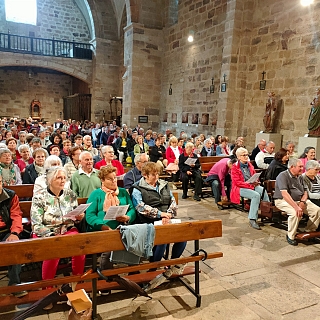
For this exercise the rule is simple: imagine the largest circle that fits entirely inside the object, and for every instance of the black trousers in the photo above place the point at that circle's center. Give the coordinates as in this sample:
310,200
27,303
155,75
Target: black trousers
196,176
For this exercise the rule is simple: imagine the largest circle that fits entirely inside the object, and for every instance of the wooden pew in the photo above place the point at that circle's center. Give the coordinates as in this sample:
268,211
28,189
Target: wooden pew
208,162
33,250
22,190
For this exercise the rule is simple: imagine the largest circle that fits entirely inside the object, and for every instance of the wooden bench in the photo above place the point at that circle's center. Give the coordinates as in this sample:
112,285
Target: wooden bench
208,162
34,250
22,190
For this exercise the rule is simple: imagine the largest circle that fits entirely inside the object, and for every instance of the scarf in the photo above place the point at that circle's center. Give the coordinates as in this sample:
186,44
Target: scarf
40,170
209,151
8,174
110,199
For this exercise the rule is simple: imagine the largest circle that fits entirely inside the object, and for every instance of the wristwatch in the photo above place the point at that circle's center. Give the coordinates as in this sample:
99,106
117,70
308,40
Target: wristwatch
15,233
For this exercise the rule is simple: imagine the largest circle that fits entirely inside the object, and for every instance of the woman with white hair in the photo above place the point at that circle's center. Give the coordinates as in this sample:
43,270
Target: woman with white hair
47,213
41,182
312,181
26,158
242,171
108,159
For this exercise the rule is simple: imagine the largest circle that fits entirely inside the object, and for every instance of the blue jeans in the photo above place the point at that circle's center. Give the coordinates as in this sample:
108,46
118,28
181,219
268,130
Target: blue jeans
177,250
255,197
13,271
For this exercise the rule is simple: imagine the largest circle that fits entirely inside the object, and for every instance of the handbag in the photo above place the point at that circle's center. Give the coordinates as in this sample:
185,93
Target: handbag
265,207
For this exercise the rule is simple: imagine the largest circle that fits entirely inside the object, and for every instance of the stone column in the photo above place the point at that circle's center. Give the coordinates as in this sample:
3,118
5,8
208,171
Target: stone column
143,49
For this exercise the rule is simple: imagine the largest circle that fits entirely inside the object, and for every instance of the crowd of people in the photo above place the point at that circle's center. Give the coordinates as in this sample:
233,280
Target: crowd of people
67,160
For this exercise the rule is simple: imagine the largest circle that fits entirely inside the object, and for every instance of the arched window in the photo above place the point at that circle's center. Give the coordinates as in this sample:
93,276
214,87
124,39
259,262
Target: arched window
21,11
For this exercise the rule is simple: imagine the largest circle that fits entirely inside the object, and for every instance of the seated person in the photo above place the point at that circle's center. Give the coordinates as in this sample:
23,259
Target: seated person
36,168
157,153
219,178
278,164
10,229
172,155
311,180
309,153
25,159
154,201
207,149
260,147
108,154
47,211
264,157
291,197
290,147
134,174
101,200
190,171
242,171
223,148
10,172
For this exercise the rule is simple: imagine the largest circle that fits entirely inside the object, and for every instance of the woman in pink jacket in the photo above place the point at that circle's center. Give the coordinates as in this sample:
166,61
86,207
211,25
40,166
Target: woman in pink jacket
241,172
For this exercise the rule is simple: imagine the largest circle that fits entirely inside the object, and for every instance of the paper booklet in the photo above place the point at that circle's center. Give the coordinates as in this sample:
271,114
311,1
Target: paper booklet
78,210
190,161
116,211
254,178
79,300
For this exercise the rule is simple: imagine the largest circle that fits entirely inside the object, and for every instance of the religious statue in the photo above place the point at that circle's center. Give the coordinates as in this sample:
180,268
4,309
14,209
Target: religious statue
270,115
314,116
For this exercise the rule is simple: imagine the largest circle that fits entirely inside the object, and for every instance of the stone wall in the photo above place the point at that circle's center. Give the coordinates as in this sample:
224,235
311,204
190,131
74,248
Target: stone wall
17,91
60,19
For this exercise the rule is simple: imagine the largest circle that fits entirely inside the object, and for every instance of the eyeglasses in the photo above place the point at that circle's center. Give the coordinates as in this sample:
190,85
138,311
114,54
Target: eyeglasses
244,155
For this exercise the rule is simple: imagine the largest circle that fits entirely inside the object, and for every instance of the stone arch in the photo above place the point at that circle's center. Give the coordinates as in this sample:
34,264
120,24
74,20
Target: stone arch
71,67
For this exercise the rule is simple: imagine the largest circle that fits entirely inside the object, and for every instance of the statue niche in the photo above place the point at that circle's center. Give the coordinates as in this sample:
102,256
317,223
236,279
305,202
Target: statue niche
35,109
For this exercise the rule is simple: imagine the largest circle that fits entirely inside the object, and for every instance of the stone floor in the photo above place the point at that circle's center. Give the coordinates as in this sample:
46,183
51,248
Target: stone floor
259,277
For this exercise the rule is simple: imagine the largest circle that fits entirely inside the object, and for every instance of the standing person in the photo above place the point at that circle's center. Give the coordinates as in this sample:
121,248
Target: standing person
10,172
85,179
108,154
47,213
96,133
73,165
35,169
291,197
10,230
190,171
241,171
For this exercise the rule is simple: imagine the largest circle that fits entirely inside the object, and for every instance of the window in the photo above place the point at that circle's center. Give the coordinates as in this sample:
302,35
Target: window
21,11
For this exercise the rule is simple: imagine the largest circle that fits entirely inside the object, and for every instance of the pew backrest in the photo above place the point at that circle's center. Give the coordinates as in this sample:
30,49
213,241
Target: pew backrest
22,190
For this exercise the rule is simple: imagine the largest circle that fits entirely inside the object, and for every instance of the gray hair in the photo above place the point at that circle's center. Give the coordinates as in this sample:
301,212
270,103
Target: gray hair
105,148
312,164
4,150
52,172
289,142
137,158
83,153
293,162
240,151
52,160
3,145
207,140
22,132
23,147
87,136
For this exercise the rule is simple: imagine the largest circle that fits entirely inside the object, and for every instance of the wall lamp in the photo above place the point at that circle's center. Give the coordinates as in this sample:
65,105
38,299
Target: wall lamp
212,86
224,84
191,36
170,90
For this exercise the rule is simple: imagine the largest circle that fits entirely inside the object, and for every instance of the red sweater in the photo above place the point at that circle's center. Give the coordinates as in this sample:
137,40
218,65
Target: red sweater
117,164
15,215
238,181
170,156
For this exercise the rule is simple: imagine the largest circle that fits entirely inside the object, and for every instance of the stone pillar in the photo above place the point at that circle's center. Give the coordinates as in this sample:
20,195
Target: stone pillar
275,137
105,77
309,142
142,78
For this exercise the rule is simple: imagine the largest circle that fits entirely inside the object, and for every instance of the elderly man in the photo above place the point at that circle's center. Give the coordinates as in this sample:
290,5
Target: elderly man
219,178
134,175
85,179
291,197
264,157
260,147
10,229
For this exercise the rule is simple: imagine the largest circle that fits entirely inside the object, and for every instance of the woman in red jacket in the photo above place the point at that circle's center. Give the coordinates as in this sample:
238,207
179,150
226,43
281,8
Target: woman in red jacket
241,171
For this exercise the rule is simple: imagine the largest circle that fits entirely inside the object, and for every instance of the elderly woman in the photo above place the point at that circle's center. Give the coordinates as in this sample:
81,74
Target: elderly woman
141,146
25,159
242,171
207,149
10,172
312,181
36,168
154,201
309,153
290,147
56,139
12,146
41,182
190,171
108,154
73,165
47,213
278,164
